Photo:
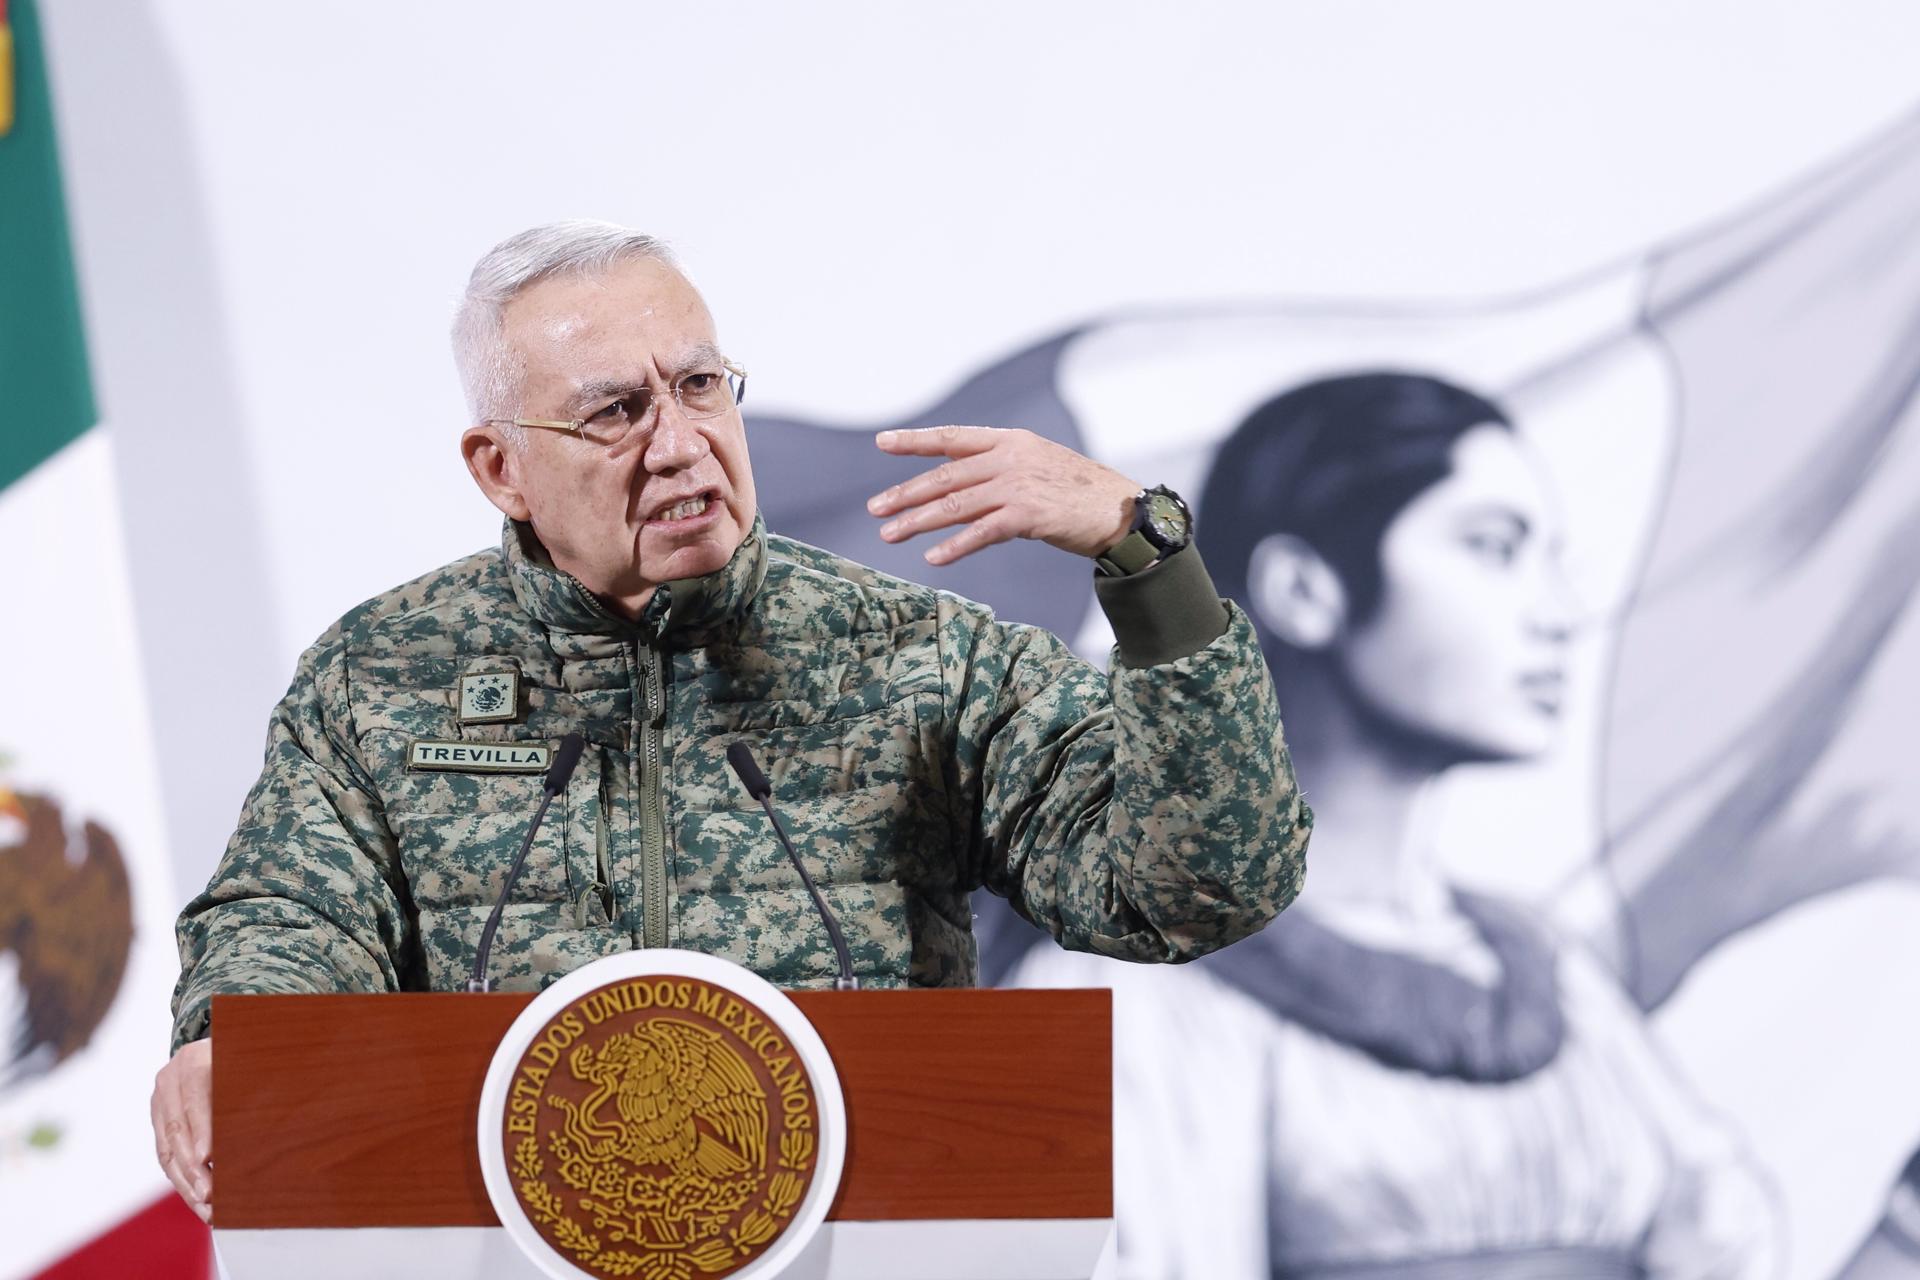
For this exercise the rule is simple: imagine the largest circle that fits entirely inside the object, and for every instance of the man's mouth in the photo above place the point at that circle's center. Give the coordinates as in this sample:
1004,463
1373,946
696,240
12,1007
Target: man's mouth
683,509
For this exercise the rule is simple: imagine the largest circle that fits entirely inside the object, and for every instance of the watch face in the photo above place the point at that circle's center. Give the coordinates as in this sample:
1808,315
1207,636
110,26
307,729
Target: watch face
1166,518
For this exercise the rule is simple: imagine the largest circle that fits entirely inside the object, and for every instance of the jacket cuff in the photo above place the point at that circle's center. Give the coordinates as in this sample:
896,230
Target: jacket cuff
194,1022
1164,613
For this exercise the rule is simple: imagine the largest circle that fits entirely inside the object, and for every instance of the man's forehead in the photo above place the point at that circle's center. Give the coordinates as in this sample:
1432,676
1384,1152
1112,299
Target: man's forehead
619,322
633,291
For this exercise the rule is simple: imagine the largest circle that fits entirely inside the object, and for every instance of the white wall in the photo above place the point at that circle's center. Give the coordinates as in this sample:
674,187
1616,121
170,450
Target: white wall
275,206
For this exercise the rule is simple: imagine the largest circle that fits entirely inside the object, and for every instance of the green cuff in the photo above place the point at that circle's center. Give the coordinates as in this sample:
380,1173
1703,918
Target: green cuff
1164,613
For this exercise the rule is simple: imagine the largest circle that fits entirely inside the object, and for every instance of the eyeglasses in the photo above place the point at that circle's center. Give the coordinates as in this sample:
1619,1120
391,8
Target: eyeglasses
703,393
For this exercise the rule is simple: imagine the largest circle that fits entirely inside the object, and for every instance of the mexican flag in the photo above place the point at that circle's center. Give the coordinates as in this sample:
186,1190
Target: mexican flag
86,895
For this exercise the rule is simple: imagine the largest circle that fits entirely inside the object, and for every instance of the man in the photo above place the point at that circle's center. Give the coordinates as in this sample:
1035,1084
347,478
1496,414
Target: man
919,748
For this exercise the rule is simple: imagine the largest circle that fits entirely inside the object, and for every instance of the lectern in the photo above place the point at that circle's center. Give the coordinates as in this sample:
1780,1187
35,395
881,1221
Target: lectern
979,1136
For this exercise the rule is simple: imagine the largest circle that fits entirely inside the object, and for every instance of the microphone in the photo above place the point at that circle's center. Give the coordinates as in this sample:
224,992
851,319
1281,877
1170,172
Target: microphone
760,789
565,759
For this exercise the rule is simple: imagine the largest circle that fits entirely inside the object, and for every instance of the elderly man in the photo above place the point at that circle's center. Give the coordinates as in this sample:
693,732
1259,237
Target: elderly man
919,748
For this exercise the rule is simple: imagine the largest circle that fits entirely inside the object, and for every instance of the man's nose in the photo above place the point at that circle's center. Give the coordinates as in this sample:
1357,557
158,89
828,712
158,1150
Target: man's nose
677,441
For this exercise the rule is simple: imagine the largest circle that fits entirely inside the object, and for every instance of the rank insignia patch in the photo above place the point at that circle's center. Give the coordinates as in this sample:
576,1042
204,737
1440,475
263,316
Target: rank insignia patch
491,697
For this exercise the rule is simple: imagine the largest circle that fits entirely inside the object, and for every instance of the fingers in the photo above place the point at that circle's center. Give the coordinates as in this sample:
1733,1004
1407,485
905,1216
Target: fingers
1034,488
948,509
202,1209
982,533
932,442
929,485
163,1140
182,1114
197,1093
955,492
172,1142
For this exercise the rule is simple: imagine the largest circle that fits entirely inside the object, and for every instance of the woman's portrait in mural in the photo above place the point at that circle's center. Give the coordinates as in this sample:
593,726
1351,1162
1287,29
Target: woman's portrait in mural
1403,1076
1588,613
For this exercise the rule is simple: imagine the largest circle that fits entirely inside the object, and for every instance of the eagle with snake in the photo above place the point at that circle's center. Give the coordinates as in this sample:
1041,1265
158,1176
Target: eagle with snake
66,930
681,1098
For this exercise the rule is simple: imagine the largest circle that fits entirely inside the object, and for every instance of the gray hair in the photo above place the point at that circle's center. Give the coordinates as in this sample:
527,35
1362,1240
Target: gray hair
490,373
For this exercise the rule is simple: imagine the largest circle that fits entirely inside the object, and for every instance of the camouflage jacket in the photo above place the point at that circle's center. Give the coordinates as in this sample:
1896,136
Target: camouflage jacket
918,749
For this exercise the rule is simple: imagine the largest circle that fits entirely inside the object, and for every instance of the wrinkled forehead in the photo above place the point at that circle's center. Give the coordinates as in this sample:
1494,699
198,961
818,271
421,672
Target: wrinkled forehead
637,319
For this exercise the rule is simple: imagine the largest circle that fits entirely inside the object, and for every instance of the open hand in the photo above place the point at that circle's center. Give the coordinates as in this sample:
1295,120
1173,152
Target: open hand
1003,484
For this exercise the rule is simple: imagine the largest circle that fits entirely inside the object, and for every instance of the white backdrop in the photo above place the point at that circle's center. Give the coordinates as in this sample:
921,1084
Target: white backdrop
275,207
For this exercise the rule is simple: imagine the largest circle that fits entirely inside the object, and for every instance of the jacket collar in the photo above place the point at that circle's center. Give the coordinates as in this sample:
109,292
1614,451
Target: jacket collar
679,607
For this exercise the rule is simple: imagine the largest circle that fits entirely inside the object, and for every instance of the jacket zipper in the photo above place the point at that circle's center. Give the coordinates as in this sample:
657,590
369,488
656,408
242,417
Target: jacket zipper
653,871
653,810
603,870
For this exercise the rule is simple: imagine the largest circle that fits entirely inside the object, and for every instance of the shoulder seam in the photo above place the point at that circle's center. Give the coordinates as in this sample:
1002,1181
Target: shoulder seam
367,616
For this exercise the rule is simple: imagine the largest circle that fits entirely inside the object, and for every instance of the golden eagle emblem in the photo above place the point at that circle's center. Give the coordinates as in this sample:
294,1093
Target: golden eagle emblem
679,1099
668,1145
66,929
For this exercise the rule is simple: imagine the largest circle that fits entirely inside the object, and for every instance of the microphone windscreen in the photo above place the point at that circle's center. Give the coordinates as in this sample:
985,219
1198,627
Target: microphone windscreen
741,758
565,760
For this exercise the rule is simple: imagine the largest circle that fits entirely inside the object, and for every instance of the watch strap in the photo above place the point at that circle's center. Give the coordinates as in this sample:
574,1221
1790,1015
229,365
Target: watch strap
1144,546
1129,555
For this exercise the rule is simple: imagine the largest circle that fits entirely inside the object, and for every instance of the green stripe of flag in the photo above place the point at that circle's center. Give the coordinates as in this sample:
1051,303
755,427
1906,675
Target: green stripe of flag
46,397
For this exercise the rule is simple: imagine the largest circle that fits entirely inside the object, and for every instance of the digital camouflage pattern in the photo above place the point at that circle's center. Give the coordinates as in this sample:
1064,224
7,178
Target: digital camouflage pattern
918,748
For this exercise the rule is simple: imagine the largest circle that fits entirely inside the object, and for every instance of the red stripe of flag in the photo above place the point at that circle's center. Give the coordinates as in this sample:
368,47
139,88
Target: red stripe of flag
164,1241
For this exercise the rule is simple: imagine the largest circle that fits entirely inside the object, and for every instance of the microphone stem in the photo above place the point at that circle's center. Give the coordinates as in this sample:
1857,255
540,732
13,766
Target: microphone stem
480,981
846,981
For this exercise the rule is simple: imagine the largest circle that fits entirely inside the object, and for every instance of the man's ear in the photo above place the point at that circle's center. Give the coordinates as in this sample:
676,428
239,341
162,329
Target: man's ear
497,466
1295,593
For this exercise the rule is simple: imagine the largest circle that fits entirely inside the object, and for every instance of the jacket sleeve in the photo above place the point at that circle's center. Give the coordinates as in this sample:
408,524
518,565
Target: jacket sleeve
309,896
1148,813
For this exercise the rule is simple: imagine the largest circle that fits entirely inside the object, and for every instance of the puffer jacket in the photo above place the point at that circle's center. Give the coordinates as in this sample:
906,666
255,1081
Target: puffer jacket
918,749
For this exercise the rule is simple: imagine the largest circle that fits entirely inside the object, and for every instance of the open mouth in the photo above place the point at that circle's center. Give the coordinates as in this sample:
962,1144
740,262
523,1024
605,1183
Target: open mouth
686,510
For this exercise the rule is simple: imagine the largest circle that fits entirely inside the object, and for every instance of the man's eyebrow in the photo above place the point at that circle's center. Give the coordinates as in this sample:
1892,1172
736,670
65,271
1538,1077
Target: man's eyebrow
700,354
604,389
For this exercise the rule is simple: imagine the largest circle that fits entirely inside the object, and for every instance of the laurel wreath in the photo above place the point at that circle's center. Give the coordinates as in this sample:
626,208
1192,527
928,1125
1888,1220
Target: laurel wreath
783,1193
545,1207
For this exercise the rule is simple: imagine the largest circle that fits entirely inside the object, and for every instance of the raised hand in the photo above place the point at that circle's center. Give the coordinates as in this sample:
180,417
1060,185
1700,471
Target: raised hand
1002,483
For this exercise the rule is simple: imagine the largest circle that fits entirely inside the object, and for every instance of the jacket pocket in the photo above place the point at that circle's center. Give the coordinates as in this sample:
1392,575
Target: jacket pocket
460,832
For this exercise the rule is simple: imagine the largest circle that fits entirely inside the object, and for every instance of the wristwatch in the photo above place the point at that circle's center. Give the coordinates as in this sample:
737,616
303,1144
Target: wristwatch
1162,525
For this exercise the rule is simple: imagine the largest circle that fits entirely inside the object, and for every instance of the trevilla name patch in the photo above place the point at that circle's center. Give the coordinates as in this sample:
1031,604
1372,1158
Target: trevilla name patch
479,757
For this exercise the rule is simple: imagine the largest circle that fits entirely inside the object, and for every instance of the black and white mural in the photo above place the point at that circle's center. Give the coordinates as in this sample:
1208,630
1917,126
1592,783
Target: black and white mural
1589,612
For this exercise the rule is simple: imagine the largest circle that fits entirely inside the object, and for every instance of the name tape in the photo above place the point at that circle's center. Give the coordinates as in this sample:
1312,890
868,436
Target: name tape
479,757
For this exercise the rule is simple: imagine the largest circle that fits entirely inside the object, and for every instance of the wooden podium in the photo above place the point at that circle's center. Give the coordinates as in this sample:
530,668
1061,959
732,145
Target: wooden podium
979,1136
